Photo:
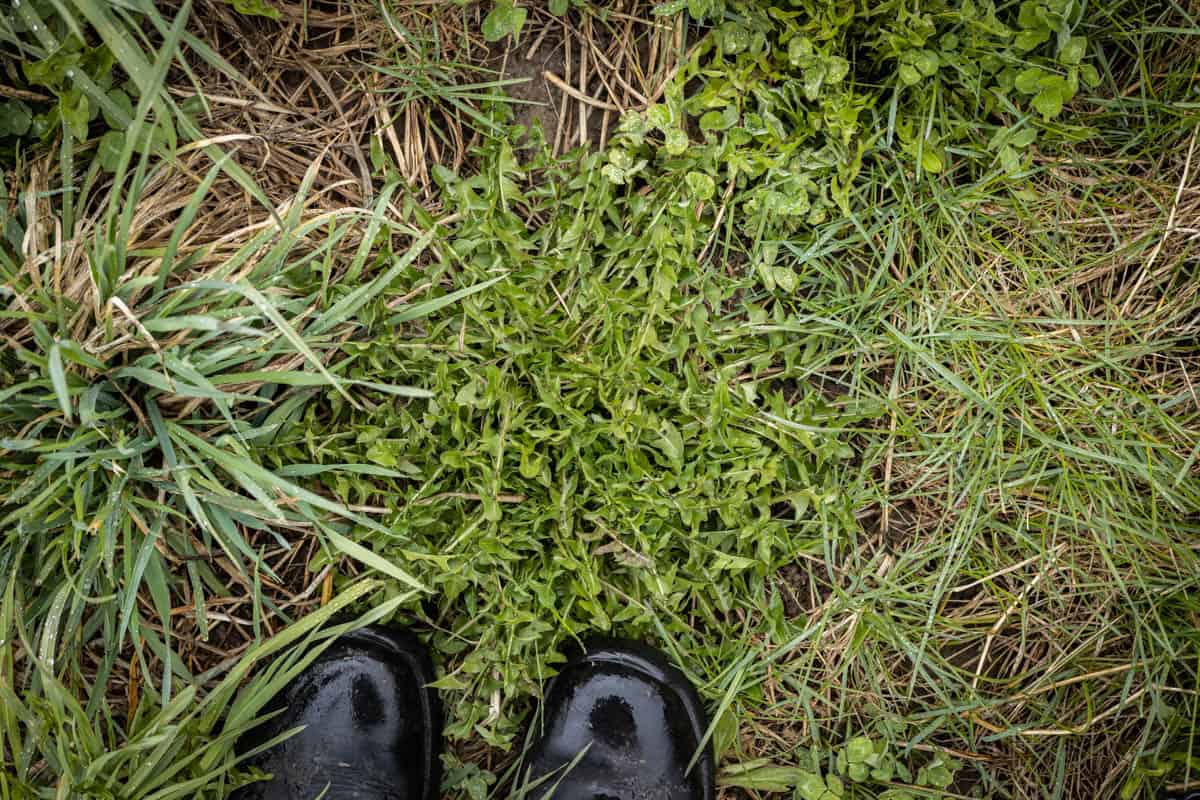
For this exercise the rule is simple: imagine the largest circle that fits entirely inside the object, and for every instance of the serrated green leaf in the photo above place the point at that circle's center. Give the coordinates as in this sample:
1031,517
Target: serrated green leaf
675,141
118,119
885,771
701,186
505,19
1027,80
800,49
1073,51
1023,137
837,68
75,112
1027,16
926,62
811,787
859,750
658,117
785,278
1009,161
613,173
15,118
1028,40
734,37
109,149
717,120
1048,102
909,75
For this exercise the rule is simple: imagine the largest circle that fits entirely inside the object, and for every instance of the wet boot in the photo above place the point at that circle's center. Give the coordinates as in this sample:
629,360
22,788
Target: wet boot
372,726
619,723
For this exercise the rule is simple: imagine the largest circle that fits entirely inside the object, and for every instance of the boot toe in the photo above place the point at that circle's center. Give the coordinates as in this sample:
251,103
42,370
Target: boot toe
620,723
370,725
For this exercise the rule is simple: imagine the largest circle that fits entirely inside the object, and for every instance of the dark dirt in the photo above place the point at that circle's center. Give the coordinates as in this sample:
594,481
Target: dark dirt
800,588
536,102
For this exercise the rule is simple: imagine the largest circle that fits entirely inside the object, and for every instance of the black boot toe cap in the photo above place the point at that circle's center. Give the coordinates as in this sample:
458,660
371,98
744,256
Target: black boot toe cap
620,723
371,725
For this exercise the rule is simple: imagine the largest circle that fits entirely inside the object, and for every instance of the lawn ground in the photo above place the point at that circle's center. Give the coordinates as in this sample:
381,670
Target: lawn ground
849,352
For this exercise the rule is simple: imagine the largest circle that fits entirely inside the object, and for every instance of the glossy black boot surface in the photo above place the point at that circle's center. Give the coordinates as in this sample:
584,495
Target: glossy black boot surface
619,723
372,725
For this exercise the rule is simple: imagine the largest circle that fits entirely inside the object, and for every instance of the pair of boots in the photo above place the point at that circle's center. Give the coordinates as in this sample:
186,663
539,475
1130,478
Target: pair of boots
617,723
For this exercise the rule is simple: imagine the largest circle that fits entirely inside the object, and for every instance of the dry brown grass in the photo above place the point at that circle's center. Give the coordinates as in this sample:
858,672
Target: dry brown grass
310,90
583,72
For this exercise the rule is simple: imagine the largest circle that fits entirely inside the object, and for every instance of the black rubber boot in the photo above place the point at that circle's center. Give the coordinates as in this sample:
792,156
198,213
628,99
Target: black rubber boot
373,726
619,723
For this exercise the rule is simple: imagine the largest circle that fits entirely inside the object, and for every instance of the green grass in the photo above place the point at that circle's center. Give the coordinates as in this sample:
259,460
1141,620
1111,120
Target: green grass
904,479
